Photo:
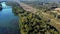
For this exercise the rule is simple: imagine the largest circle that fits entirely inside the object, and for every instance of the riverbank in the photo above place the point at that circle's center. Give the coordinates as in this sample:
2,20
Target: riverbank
31,23
0,6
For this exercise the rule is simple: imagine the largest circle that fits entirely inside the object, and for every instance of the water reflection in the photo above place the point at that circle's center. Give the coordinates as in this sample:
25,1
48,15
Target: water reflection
0,7
8,21
4,5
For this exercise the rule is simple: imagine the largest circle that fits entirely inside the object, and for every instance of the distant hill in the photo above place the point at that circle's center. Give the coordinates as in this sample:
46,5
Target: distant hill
8,0
43,0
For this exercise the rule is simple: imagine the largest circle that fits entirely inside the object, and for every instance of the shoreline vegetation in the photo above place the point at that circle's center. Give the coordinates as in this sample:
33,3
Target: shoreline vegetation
30,23
0,7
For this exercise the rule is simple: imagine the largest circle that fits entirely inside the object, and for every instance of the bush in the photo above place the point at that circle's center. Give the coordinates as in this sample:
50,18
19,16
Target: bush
33,24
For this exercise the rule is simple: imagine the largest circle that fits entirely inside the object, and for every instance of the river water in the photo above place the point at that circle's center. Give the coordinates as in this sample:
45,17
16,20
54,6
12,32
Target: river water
8,21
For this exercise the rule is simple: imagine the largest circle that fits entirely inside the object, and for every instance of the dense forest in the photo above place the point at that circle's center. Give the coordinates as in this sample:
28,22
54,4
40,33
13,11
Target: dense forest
31,23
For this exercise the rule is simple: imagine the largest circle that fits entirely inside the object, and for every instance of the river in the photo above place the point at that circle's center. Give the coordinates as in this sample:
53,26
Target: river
8,21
